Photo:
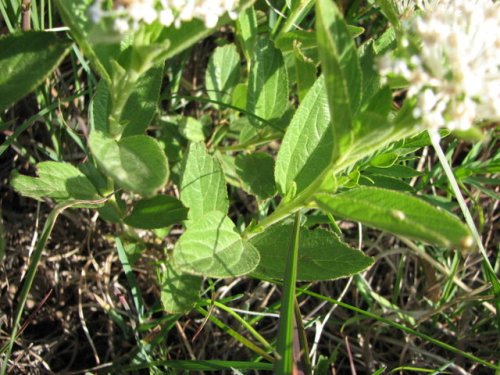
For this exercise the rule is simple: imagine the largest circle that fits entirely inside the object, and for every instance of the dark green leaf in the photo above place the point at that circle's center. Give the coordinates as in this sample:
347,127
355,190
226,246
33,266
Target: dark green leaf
25,60
398,213
256,172
322,256
157,212
179,291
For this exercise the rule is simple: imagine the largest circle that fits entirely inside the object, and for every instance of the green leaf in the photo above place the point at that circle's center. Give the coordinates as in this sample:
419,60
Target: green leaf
211,247
142,104
256,172
398,213
306,150
136,163
322,256
179,291
341,67
25,60
57,180
100,108
246,31
305,71
203,187
157,212
192,129
223,73
268,84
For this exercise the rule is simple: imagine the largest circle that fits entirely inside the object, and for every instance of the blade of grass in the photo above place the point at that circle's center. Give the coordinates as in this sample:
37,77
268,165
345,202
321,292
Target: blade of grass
488,269
284,346
30,275
208,365
231,332
129,274
403,328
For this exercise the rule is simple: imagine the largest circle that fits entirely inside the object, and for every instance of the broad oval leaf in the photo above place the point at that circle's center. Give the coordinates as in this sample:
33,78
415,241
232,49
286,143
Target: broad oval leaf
136,163
223,73
25,60
157,212
322,256
203,187
306,150
56,180
211,247
398,213
256,173
267,84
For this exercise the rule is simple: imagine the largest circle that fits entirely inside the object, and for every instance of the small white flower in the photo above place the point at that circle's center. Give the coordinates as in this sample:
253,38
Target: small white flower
456,74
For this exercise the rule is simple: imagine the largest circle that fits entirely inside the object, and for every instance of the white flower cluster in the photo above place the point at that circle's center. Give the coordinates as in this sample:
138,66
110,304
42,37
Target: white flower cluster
406,8
455,76
129,14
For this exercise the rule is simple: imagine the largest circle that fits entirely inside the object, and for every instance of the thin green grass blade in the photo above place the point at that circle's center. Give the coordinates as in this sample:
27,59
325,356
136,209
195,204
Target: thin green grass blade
129,273
209,365
405,329
231,332
284,346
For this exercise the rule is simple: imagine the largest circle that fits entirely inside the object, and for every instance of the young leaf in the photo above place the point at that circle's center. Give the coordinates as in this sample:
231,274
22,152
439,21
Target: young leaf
305,71
306,150
179,291
322,256
268,84
211,247
136,163
157,212
57,180
203,188
256,172
25,60
398,213
223,73
340,65
246,31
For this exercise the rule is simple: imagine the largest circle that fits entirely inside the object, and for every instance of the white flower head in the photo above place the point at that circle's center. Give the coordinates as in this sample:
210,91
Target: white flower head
455,75
130,14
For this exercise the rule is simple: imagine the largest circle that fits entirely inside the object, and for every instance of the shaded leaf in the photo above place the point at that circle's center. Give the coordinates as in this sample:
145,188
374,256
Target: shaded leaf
157,212
322,256
256,171
179,291
25,60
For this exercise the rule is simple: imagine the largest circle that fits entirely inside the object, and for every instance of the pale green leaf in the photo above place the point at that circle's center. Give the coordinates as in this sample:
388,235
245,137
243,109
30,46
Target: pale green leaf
305,71
211,247
322,256
306,150
203,187
136,163
192,129
57,180
246,31
398,213
179,291
256,171
268,84
223,73
157,212
25,60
